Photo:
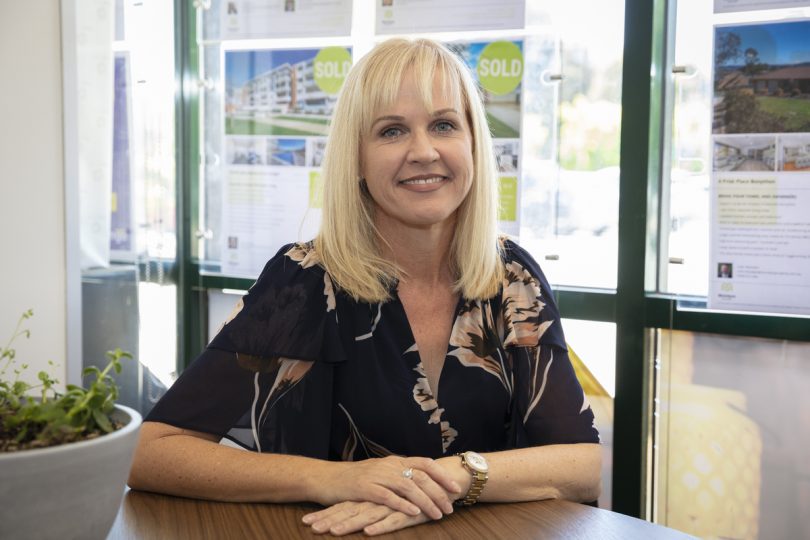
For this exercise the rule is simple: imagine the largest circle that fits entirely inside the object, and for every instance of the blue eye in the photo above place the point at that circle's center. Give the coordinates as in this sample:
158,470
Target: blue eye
391,132
444,126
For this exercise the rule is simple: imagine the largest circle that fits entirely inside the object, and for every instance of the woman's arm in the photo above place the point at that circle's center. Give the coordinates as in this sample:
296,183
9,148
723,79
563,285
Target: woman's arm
559,471
187,463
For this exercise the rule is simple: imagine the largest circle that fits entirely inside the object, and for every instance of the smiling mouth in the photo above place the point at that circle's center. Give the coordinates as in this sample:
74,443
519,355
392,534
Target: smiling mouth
423,181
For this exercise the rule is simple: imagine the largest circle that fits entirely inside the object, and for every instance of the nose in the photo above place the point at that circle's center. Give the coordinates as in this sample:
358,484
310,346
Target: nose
422,149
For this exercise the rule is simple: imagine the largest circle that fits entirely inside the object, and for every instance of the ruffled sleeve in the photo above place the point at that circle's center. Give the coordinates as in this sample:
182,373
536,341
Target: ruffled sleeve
264,382
549,406
286,312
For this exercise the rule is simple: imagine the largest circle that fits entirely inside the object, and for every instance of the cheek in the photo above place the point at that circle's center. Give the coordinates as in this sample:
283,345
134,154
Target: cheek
377,161
464,159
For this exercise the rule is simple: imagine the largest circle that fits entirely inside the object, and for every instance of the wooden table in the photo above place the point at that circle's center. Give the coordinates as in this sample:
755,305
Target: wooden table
147,516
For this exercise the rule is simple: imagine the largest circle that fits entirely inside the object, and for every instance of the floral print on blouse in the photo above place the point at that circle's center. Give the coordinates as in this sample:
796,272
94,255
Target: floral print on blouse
302,368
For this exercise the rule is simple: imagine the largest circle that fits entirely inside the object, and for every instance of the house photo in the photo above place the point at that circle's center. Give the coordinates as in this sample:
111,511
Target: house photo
762,78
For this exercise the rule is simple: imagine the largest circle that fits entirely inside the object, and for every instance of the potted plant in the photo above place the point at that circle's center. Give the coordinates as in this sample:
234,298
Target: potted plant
64,457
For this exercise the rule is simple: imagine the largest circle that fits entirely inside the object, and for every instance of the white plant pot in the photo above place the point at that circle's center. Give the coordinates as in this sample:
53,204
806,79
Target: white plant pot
68,491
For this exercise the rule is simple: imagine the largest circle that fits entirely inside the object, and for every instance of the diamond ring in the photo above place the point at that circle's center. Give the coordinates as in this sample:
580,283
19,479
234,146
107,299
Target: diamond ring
408,473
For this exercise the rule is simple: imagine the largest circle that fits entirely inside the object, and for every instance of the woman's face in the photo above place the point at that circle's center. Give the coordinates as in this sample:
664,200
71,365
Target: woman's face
418,163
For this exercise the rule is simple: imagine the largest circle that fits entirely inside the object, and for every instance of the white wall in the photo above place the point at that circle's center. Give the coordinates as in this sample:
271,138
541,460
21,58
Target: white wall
32,237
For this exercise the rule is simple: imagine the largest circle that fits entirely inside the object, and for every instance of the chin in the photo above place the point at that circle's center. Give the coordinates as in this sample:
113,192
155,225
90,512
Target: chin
429,221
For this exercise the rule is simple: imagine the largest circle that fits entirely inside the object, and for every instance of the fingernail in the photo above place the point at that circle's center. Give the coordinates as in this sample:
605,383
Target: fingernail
456,487
307,519
448,508
338,528
415,511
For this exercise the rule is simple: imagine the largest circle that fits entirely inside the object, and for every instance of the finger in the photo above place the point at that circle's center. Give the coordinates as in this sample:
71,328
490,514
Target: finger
438,473
347,511
392,523
382,495
367,517
434,491
312,517
411,491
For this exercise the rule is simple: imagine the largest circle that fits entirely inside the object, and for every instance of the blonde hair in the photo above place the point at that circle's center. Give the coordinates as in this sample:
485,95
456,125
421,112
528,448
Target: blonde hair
348,242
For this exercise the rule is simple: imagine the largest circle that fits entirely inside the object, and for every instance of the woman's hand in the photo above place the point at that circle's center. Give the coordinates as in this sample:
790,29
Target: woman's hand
381,480
348,517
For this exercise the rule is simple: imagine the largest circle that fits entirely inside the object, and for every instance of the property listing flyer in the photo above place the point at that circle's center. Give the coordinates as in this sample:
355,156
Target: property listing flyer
760,196
261,19
498,66
408,16
277,109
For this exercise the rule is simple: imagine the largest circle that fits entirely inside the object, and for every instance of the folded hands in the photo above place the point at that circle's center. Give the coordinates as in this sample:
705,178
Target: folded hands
378,496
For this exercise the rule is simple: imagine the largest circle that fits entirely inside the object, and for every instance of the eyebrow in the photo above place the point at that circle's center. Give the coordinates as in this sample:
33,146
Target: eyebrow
396,118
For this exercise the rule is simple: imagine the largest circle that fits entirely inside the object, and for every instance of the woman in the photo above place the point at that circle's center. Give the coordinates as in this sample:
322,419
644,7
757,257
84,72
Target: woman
368,369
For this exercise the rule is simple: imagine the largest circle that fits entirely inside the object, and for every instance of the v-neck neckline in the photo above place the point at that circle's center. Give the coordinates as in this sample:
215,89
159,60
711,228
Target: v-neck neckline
412,339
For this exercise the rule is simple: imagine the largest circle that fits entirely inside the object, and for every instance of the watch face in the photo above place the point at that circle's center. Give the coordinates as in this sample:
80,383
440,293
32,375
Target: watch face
476,461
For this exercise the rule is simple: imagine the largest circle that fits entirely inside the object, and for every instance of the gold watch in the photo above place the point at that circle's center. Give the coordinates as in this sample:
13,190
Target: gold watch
479,469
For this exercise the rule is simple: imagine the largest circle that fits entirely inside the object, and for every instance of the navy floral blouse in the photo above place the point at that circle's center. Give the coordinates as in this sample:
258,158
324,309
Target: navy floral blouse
302,368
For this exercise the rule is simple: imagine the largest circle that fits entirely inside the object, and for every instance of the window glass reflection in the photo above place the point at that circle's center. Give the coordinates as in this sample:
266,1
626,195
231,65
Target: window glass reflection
733,436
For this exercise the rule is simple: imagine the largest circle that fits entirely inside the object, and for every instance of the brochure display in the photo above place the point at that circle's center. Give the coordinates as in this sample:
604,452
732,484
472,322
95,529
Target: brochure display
260,19
407,16
760,189
277,109
269,120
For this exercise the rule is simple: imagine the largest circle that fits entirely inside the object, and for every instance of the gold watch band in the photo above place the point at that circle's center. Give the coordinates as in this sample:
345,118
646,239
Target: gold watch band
479,480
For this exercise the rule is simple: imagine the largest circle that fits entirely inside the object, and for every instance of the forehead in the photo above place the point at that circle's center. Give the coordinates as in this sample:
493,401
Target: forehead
434,88
438,94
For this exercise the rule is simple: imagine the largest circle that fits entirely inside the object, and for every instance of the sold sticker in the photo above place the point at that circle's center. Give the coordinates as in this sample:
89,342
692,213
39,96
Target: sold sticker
331,65
500,67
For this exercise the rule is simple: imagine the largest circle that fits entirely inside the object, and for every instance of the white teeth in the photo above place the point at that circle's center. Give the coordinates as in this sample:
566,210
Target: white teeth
434,180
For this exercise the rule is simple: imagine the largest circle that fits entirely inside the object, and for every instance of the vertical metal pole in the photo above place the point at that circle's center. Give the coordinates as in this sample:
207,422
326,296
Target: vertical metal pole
638,223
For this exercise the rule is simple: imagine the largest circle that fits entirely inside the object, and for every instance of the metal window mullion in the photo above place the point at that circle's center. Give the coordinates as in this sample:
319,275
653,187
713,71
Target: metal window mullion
189,300
638,227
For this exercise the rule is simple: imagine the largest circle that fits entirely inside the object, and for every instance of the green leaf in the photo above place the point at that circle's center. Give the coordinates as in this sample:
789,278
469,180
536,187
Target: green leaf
102,421
91,369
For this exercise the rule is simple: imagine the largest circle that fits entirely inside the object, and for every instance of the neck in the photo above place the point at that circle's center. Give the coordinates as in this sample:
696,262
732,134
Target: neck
423,253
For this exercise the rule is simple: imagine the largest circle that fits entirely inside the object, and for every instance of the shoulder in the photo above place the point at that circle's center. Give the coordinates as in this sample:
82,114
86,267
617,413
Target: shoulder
284,312
295,270
527,303
520,266
303,253
511,252
293,264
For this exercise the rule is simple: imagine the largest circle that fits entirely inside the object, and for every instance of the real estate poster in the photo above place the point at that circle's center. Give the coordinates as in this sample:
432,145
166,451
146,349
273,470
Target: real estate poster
122,219
413,16
498,67
760,190
261,19
278,103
